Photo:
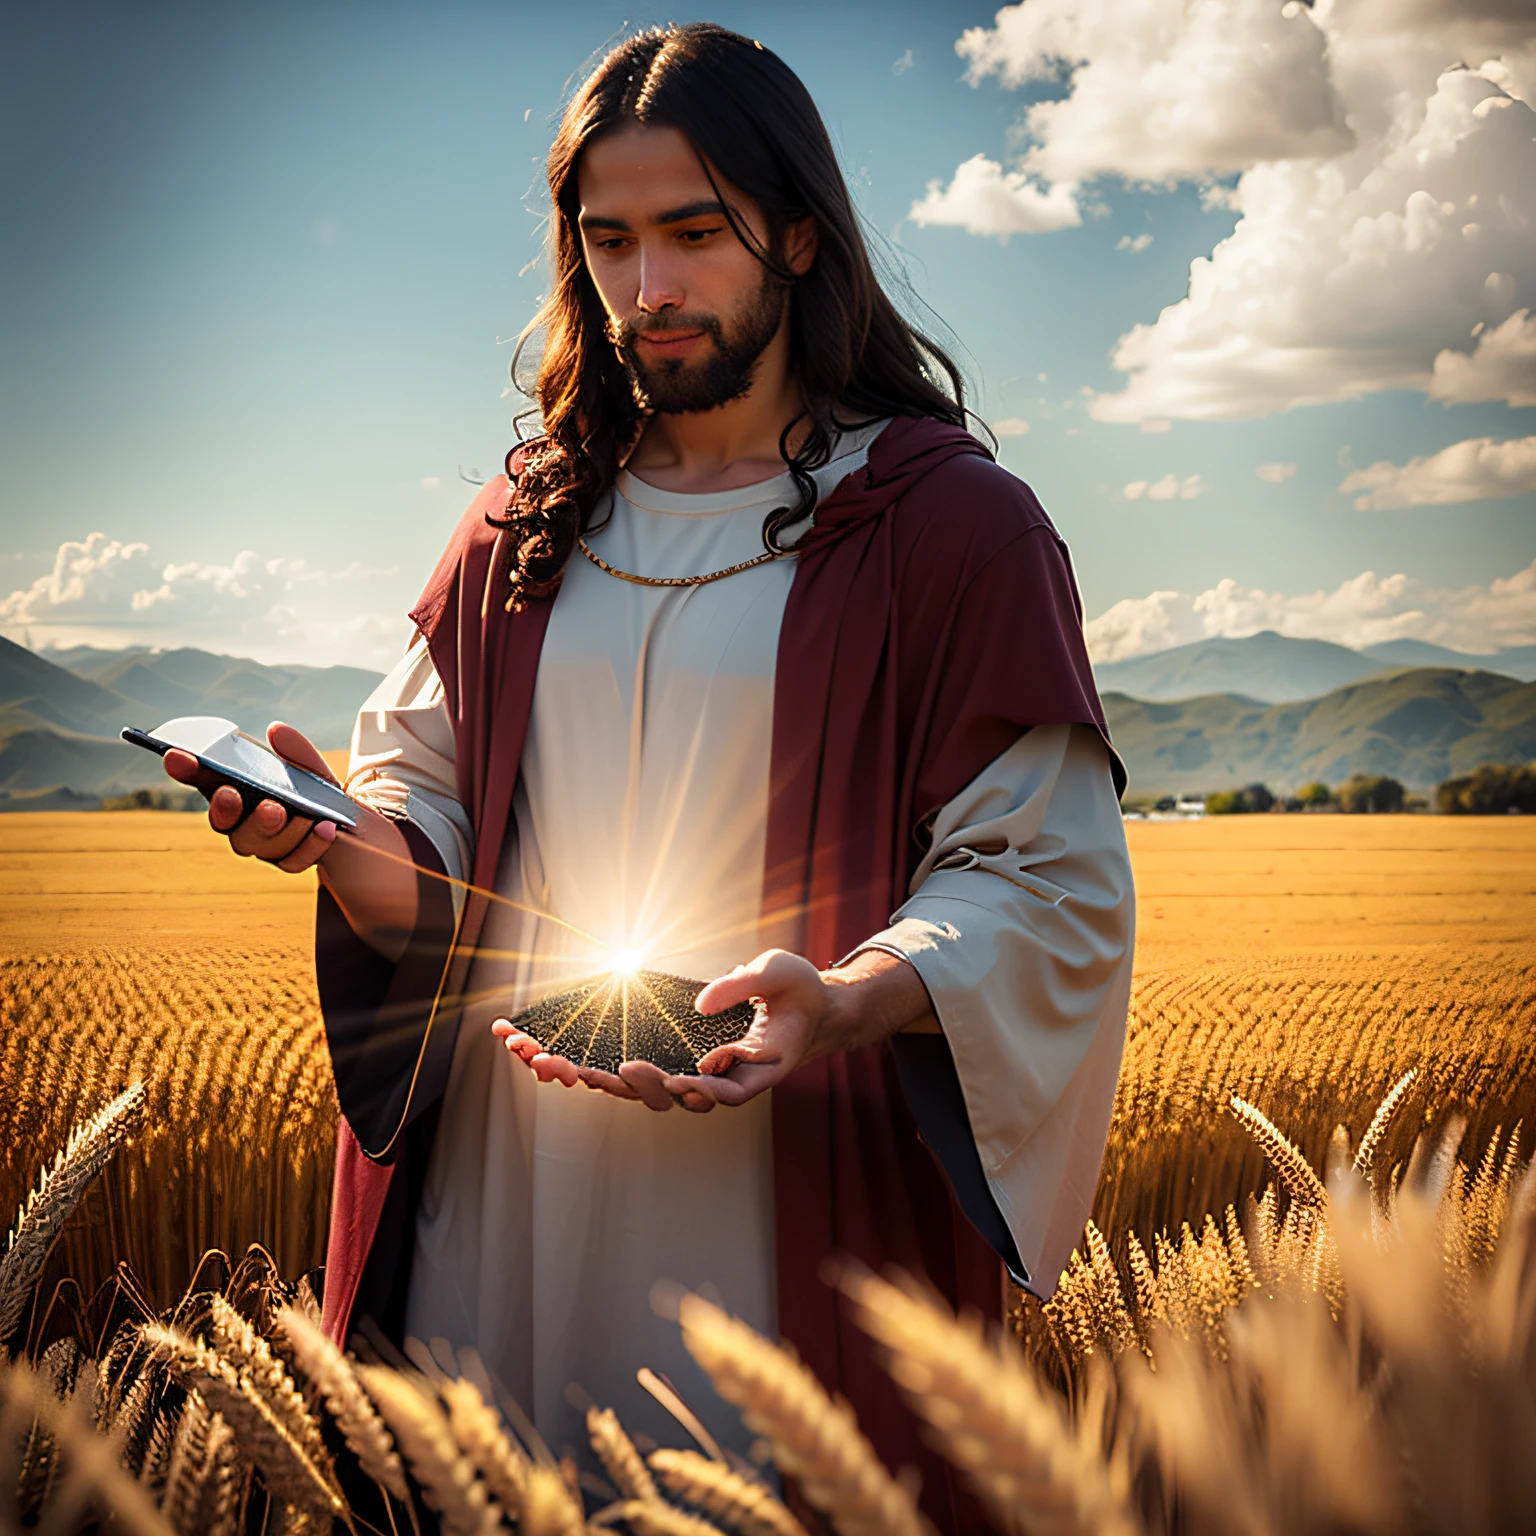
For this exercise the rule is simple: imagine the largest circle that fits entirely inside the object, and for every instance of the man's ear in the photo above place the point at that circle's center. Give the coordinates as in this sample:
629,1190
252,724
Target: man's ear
801,241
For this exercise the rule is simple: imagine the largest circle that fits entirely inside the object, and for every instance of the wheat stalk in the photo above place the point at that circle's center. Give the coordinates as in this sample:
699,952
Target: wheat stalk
480,1436
291,1477
1375,1133
618,1455
356,1417
990,1415
446,1476
815,1440
92,1473
1296,1173
234,1337
549,1506
650,1517
724,1494
202,1489
56,1194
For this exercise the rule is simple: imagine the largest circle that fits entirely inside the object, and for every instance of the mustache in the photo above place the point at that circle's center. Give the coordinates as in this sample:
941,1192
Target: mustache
626,332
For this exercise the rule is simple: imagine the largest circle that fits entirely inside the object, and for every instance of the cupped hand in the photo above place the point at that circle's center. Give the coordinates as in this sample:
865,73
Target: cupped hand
269,832
794,1008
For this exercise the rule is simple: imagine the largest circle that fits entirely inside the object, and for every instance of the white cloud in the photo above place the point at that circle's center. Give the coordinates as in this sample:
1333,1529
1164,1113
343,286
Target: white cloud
1275,474
1155,424
1477,469
431,482
1166,489
1365,610
1502,366
1140,243
1386,192
987,200
903,64
1010,426
105,592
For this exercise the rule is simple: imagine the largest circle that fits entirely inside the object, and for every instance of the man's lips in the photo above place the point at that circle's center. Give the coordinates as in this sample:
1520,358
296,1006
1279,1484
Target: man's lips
668,339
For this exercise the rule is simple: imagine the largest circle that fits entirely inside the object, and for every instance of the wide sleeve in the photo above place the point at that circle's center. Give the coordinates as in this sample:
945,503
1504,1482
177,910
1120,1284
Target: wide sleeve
402,763
379,1007
1021,924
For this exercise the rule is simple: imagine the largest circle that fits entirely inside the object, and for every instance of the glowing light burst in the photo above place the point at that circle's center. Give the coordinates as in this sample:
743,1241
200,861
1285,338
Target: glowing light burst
637,1015
626,962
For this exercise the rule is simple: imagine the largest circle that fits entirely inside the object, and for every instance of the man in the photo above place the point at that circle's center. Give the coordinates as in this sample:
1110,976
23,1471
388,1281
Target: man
753,648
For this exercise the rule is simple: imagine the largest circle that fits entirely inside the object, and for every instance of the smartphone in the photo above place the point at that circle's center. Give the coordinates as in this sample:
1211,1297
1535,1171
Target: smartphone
249,765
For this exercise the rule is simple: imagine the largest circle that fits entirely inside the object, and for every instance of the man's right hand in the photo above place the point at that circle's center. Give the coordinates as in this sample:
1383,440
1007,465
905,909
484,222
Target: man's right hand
370,872
269,833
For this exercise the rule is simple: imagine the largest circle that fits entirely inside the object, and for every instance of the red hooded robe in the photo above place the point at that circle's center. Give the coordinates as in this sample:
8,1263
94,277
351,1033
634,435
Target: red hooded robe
933,618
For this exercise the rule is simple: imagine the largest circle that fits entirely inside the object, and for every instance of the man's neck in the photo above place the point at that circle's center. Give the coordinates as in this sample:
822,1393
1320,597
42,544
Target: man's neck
736,444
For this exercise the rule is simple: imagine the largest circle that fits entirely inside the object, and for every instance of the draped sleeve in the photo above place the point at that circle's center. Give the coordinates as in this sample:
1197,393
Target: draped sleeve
1021,924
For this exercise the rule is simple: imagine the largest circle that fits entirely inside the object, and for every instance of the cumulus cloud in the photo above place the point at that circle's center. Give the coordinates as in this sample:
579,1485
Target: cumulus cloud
1010,426
1501,367
1385,161
1478,469
107,592
987,200
1139,243
1366,610
1275,474
1165,489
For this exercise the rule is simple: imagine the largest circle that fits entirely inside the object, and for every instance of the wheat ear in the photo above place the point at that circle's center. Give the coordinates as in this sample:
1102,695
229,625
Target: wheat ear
234,1338
58,1191
446,1476
202,1486
361,1427
989,1414
1296,1173
92,1472
291,1477
477,1428
724,1494
549,1506
1370,1143
617,1453
650,1517
814,1439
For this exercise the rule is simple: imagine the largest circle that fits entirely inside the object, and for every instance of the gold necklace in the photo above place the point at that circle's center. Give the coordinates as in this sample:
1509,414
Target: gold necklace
678,581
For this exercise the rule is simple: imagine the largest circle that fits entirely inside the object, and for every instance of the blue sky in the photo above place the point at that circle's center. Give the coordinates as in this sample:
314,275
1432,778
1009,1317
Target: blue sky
263,265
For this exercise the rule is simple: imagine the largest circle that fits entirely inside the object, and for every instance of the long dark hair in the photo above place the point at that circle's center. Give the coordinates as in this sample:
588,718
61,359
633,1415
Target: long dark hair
751,120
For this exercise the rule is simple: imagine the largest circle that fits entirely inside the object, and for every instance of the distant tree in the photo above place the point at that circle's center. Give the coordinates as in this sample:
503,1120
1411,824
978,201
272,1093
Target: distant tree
1166,803
1364,792
1495,789
1239,802
1314,794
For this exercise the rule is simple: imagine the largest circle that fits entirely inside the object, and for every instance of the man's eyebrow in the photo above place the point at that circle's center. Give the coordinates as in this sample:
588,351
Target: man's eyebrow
701,209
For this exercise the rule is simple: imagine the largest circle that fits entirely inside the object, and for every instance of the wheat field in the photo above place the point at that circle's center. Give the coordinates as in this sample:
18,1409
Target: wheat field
1316,970
1301,962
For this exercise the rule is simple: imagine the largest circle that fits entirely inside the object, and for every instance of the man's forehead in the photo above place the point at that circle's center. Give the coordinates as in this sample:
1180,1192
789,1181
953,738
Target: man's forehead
643,176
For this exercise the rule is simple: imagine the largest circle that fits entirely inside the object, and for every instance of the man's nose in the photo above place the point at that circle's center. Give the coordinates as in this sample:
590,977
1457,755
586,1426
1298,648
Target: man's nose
660,283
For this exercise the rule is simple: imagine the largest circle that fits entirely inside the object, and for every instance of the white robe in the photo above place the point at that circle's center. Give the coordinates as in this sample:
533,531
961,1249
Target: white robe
548,1213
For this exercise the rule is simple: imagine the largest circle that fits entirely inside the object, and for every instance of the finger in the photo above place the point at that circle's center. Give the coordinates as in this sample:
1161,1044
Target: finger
746,1083
298,749
515,1040
225,808
719,1061
737,986
288,840
607,1082
555,1069
314,848
645,1078
270,832
696,1103
186,769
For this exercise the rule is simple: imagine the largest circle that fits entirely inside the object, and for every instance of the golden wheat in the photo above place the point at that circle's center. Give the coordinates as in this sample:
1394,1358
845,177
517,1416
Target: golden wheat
726,1495
815,1440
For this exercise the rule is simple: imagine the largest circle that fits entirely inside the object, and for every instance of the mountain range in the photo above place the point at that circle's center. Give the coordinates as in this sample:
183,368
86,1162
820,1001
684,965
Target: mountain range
1278,669
61,711
1213,715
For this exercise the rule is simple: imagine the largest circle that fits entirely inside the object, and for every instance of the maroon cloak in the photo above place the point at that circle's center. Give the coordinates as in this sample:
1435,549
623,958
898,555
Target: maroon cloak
933,618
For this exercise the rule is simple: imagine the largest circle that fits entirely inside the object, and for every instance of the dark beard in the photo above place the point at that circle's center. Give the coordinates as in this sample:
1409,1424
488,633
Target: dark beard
674,387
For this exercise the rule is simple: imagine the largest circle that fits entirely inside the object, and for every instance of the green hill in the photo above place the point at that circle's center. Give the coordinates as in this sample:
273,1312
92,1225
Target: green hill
60,713
1420,726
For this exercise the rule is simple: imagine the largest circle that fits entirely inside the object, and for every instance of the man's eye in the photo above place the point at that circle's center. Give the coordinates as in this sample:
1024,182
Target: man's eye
612,243
694,236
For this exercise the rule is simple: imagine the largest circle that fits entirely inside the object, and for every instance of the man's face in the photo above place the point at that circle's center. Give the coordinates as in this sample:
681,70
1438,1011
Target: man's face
689,306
